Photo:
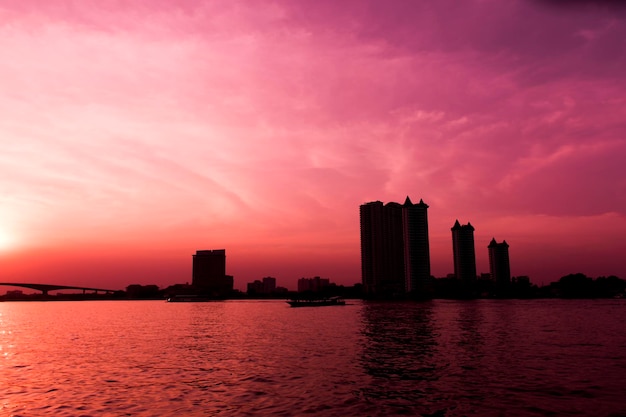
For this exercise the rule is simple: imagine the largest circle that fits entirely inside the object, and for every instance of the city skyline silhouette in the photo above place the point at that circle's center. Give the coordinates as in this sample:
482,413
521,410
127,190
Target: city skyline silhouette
128,143
395,263
437,186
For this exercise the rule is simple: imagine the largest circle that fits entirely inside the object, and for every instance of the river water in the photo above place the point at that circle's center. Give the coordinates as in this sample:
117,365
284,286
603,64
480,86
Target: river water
249,358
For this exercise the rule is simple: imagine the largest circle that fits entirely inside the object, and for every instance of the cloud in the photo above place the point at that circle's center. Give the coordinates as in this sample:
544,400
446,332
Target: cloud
582,4
256,125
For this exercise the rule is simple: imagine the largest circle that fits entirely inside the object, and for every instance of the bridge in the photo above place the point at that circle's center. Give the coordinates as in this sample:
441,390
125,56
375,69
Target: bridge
45,288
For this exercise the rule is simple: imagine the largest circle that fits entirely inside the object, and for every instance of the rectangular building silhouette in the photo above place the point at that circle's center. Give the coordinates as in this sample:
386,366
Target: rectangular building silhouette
209,273
464,253
315,284
416,248
499,266
395,256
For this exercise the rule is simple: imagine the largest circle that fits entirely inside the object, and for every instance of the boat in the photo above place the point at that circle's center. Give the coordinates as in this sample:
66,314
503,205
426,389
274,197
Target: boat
316,302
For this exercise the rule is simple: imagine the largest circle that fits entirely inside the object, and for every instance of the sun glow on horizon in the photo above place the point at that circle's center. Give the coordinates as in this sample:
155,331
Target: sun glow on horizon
7,241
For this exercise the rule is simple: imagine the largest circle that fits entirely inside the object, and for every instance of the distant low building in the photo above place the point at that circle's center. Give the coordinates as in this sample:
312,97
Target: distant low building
255,287
178,289
281,291
265,287
142,291
315,284
269,285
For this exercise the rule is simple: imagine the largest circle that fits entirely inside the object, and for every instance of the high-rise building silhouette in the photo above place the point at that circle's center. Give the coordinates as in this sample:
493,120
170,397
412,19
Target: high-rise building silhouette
464,253
382,249
395,255
499,267
209,272
416,247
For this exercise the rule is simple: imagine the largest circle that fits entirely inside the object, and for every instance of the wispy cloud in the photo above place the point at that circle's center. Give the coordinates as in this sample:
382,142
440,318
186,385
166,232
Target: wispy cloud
236,125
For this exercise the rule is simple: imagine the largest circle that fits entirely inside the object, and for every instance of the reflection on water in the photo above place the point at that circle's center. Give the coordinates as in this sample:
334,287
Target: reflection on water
399,351
494,357
437,358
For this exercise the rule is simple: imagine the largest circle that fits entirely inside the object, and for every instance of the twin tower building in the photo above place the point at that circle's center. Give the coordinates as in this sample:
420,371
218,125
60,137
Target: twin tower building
395,253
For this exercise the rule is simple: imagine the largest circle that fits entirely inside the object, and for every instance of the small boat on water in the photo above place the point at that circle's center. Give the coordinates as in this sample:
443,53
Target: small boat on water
316,302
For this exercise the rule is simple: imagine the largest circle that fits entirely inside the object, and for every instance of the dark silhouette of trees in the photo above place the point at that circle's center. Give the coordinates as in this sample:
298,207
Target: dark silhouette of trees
581,286
610,286
576,286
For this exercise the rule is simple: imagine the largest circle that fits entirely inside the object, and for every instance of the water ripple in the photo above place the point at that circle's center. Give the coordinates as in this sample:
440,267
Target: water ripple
434,359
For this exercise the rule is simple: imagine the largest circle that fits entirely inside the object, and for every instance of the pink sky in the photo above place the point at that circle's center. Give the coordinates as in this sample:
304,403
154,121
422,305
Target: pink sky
135,133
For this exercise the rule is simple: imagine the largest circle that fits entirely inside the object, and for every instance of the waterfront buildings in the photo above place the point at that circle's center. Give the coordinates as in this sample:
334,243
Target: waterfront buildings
463,252
416,247
395,257
269,285
382,249
209,273
265,287
315,284
499,267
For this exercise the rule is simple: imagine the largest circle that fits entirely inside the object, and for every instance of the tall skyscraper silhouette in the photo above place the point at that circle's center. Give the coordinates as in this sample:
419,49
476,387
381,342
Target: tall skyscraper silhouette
499,264
395,254
382,249
416,248
208,273
464,253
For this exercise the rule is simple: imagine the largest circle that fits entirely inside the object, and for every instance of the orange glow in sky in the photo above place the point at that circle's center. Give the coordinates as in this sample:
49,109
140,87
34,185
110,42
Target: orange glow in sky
134,134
